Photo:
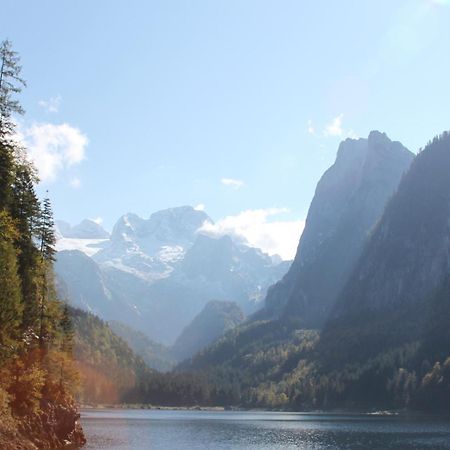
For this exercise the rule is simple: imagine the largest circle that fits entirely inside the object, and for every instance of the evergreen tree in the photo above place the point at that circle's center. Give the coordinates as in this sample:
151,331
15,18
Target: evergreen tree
47,252
47,232
67,330
11,307
26,211
11,83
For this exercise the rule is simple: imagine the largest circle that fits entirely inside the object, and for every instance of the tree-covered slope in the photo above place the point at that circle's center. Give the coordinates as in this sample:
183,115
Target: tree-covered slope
154,354
109,369
215,319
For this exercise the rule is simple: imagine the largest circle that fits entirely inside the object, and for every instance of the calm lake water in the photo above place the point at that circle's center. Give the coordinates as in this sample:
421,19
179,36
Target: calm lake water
173,430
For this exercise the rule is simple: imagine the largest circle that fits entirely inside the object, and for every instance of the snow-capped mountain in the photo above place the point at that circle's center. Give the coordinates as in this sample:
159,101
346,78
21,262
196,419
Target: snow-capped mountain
160,272
87,237
151,248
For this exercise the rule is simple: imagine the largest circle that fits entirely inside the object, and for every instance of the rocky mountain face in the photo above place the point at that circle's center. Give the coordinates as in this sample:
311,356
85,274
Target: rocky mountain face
151,248
349,200
407,259
156,275
215,319
83,281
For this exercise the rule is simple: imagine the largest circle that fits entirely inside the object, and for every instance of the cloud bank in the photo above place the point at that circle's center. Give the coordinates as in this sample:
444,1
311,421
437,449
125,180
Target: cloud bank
257,228
53,148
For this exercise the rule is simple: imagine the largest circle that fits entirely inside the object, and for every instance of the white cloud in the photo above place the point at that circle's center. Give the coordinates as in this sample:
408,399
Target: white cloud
235,184
311,129
52,104
75,182
200,207
53,148
334,128
97,220
275,237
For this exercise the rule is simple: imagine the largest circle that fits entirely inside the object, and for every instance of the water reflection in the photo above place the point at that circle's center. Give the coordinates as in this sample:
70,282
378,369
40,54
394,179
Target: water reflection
154,429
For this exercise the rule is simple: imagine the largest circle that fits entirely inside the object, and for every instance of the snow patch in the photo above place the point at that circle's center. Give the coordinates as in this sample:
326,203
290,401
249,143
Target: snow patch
88,246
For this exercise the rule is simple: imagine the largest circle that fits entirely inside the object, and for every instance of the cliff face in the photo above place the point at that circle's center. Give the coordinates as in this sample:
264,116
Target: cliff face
408,256
349,200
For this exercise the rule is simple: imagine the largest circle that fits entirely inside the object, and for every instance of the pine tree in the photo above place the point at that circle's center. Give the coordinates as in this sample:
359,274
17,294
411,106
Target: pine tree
26,211
47,232
47,252
11,83
67,330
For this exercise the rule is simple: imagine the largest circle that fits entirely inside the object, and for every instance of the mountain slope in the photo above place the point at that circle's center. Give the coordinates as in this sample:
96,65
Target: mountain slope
405,264
155,355
213,268
214,320
349,199
109,369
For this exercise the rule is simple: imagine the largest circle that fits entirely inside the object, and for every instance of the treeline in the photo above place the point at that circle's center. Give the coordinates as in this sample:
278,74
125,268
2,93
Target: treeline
37,377
278,365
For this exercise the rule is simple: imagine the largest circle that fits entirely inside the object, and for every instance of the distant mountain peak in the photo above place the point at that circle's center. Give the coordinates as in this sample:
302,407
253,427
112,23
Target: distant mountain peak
86,229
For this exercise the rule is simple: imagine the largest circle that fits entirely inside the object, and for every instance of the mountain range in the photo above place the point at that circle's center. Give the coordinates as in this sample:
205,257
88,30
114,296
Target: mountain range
157,274
360,321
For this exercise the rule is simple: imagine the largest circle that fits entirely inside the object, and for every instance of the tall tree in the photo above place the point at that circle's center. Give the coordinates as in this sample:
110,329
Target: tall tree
26,211
11,307
47,252
47,232
11,83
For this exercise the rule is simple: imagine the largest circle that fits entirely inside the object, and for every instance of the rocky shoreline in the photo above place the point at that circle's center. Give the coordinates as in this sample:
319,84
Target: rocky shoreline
56,426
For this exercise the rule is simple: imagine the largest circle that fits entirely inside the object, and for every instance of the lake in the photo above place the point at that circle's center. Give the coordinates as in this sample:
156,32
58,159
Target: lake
119,429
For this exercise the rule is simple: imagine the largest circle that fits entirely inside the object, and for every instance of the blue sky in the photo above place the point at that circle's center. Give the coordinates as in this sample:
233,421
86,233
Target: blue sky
235,105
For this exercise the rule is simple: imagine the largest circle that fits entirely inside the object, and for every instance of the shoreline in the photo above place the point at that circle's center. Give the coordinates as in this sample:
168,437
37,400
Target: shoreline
337,412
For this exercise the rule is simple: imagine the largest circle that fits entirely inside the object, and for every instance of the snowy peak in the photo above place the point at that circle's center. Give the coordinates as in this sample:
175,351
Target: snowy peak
169,226
176,225
87,229
150,248
127,227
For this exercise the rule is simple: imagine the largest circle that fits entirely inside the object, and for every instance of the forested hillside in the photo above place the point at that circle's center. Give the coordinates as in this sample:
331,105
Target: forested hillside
108,368
154,354
387,342
37,377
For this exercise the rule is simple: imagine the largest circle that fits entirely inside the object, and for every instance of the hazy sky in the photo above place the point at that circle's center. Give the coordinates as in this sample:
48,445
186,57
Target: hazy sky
234,106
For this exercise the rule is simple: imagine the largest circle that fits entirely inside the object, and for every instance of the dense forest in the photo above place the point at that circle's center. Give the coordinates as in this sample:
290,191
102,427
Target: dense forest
37,375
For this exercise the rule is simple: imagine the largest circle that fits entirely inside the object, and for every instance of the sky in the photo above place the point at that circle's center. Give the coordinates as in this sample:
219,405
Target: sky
236,107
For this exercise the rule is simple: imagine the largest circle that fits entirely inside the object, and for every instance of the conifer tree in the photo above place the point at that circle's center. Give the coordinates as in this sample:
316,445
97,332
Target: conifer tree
11,307
47,232
11,83
47,252
26,212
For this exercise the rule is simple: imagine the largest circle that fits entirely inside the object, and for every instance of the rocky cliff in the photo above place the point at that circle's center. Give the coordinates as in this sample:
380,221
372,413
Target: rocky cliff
349,200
